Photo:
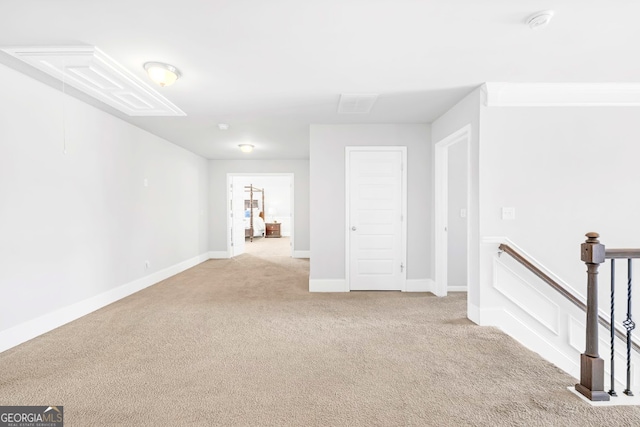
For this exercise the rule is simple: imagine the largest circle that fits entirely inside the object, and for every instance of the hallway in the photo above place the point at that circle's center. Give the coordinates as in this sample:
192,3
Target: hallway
241,342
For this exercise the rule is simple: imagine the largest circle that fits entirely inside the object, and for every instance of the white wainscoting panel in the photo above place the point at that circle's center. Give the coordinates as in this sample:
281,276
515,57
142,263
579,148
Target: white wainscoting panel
524,295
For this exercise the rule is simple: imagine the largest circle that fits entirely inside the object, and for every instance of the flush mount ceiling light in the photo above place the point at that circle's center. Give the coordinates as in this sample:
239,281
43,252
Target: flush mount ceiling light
223,126
163,74
540,19
246,148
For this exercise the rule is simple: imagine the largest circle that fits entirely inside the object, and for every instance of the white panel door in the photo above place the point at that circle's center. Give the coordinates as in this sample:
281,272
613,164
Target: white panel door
375,220
237,214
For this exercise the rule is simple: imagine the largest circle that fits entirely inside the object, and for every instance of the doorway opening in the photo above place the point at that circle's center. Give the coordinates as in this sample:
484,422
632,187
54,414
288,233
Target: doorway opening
260,218
452,184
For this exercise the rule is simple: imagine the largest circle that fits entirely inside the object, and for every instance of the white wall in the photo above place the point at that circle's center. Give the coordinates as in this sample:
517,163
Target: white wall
466,112
456,223
77,225
327,175
218,170
567,171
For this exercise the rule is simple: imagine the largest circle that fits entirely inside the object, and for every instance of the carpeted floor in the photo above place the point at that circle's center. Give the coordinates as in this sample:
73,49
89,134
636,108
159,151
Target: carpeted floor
242,342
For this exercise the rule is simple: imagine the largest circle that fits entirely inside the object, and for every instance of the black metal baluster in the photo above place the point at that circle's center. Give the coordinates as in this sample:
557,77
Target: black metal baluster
628,323
612,391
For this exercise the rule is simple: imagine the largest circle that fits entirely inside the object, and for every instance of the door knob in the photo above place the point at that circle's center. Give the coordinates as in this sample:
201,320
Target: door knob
353,228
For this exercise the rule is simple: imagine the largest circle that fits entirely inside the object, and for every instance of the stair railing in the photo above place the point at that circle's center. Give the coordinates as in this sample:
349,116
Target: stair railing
593,253
628,323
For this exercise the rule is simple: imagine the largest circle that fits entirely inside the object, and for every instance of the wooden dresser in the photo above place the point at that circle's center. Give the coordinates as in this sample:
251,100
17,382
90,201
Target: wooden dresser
273,229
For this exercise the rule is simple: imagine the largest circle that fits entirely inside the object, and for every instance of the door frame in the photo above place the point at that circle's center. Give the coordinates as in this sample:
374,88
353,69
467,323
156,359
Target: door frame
403,206
231,176
441,171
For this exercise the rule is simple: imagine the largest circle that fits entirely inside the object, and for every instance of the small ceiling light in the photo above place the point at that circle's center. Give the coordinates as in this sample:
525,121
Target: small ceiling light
540,19
246,148
223,126
163,74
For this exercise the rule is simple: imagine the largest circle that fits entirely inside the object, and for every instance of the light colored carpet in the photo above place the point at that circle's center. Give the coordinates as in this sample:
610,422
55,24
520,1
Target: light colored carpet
242,342
266,247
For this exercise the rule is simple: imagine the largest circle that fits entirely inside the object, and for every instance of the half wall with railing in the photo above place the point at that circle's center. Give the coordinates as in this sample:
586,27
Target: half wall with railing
567,328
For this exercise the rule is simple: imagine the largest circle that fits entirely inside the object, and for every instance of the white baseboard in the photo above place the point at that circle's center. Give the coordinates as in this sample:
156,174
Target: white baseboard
473,313
328,285
456,288
219,255
420,285
32,328
301,254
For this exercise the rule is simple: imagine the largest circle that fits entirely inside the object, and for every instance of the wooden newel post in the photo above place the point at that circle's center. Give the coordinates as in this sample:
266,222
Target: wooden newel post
591,365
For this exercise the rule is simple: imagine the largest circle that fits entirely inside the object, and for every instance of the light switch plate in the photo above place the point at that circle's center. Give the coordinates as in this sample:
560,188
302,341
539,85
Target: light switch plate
509,213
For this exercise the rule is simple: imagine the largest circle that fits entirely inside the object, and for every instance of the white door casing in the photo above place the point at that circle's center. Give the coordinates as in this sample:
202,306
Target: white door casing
376,211
441,162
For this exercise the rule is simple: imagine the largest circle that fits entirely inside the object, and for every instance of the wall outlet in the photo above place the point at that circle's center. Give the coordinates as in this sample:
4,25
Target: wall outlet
146,182
463,213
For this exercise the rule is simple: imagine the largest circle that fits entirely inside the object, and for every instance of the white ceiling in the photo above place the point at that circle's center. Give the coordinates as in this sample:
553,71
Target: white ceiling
271,68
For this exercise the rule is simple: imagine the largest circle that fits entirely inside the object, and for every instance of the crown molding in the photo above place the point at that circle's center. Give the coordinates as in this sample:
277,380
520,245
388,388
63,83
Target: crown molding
498,94
91,71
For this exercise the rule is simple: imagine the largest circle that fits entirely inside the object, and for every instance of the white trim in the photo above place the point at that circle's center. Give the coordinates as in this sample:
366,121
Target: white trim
219,255
347,240
514,295
473,312
420,285
32,328
620,400
502,239
499,94
441,156
328,285
461,288
301,254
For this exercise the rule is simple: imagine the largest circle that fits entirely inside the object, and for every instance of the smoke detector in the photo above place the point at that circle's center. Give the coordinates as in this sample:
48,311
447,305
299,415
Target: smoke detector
540,19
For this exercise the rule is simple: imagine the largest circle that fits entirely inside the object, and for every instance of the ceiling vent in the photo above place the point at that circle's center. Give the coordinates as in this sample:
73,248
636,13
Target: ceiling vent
356,103
91,71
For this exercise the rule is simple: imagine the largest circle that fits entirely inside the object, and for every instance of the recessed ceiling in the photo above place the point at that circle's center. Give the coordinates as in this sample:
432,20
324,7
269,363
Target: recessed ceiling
269,69
91,71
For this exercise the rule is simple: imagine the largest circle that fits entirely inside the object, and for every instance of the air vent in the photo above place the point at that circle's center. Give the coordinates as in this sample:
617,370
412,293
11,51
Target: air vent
90,70
356,103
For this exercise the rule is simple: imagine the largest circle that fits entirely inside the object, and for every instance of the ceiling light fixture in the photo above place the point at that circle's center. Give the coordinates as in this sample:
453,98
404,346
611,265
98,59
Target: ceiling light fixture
223,126
246,148
540,19
163,74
